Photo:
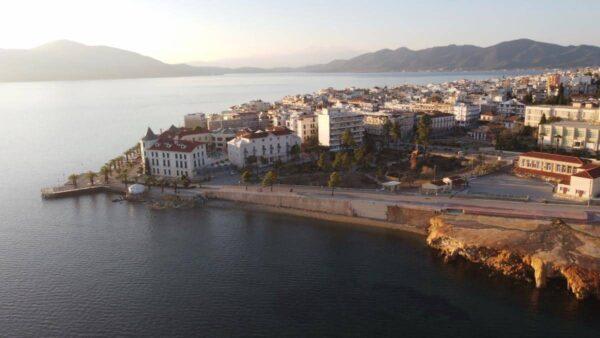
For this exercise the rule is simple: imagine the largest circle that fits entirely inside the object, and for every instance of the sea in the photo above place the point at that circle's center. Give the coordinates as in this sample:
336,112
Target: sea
87,266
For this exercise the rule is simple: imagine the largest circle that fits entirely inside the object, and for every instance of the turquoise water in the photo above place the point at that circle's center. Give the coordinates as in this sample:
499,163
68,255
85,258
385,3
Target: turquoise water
87,266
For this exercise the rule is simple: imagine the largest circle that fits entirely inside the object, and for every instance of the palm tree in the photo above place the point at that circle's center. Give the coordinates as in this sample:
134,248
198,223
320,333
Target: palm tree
558,138
149,181
163,183
91,176
124,178
245,178
541,136
269,179
395,132
105,171
334,181
175,186
73,178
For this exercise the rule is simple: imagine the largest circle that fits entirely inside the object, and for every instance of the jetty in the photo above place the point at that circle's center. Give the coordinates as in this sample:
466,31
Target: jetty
70,191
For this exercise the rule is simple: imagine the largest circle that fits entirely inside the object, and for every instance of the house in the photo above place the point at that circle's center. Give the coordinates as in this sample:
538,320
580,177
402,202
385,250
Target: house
466,114
570,135
455,182
584,185
270,145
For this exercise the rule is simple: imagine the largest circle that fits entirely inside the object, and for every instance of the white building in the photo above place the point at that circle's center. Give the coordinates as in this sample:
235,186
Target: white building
533,114
273,144
333,122
303,125
169,157
511,107
570,135
466,114
584,185
441,123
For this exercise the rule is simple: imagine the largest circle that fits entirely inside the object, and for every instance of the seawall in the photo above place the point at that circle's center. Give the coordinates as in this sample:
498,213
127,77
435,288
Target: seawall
371,213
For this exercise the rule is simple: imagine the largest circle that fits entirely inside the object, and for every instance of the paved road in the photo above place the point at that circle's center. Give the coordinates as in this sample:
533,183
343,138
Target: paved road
481,206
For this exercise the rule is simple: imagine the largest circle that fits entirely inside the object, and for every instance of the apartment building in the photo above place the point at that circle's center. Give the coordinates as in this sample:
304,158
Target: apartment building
570,135
333,122
466,114
577,112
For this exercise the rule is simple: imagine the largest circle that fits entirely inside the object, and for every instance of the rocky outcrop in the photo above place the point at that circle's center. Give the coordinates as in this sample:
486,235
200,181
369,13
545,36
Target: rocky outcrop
531,250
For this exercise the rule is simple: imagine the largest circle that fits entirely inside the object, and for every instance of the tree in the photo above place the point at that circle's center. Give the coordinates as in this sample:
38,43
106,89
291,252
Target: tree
322,162
346,161
295,151
543,119
123,177
360,155
269,179
163,183
387,127
541,136
245,177
338,161
311,144
149,181
348,140
423,130
73,178
395,132
175,186
334,181
185,181
558,138
105,171
90,175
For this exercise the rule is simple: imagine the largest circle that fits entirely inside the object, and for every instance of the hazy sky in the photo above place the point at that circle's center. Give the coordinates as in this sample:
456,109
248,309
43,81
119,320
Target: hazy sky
186,30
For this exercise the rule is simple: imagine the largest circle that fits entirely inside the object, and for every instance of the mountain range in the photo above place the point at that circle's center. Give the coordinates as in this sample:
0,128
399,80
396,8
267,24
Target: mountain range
68,60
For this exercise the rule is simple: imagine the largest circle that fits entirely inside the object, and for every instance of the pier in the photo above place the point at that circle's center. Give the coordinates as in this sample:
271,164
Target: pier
68,191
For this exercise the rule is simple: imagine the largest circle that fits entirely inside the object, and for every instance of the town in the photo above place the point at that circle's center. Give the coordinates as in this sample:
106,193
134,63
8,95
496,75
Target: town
539,133
501,172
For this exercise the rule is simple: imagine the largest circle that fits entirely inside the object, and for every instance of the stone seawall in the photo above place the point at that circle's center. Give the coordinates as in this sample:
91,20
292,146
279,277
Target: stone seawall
372,213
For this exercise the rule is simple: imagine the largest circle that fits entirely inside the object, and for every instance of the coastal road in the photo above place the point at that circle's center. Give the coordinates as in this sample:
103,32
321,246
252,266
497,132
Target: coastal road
477,206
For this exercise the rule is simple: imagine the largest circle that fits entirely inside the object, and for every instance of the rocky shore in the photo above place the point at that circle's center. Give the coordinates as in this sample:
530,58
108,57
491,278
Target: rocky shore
530,250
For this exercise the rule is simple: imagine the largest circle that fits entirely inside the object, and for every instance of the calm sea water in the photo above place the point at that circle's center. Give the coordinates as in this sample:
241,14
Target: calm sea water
87,266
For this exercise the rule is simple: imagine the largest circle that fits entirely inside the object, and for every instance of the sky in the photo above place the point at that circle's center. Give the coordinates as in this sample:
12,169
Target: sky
238,31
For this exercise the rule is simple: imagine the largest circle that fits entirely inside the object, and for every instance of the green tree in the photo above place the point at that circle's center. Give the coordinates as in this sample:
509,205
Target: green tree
124,178
322,162
149,181
105,171
246,177
162,182
334,181
387,127
543,119
346,161
423,130
338,161
395,132
348,140
73,178
90,175
185,181
295,151
269,179
360,156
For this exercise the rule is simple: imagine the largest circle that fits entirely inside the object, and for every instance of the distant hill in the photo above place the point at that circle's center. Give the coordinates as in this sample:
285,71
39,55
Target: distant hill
68,60
516,54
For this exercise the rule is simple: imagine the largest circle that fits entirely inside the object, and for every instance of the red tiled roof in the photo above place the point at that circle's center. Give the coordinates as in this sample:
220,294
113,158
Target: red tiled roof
589,173
563,178
554,157
180,146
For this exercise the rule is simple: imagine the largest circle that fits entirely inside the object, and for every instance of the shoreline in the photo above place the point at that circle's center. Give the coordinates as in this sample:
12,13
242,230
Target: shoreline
355,221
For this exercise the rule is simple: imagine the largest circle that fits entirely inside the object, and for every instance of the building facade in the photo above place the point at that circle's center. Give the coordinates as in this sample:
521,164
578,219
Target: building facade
533,114
466,114
333,122
271,145
570,135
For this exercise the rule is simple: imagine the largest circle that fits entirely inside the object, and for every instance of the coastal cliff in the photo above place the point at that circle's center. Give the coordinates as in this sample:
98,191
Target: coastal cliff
530,250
